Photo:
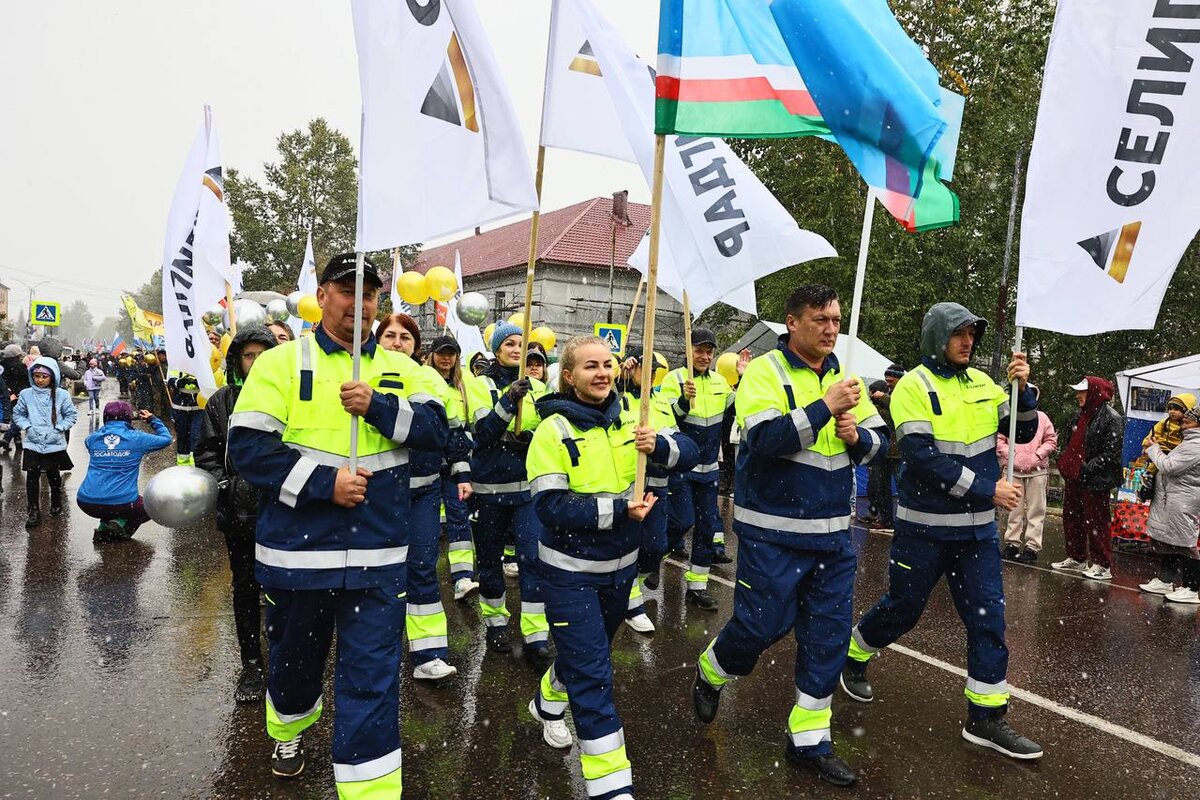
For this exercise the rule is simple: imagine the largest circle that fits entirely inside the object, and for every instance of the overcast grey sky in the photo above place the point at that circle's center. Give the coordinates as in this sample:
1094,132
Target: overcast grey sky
100,101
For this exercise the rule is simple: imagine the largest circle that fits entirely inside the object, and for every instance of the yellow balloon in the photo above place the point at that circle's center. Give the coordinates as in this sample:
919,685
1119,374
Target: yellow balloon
487,335
543,336
310,310
727,368
661,368
226,339
412,289
517,319
151,359
441,283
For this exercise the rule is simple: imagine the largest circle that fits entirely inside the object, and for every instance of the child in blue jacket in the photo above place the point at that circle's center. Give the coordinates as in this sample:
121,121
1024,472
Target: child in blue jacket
110,490
44,413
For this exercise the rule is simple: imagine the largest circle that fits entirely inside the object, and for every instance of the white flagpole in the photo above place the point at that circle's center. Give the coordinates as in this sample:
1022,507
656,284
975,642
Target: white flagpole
860,277
1012,411
356,353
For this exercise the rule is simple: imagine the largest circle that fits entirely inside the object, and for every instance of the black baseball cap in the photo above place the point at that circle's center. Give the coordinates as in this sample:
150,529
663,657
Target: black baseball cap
445,343
703,336
342,266
536,351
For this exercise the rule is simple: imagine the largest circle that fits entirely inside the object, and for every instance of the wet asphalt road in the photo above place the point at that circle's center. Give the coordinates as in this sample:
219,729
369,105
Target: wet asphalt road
117,666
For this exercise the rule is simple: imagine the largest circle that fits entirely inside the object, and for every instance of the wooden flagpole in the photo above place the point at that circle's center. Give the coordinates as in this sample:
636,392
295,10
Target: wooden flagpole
660,149
533,246
637,299
229,309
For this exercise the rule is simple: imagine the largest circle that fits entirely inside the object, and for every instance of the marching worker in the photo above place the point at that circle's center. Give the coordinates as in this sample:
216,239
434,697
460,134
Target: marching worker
501,493
425,618
331,544
582,465
237,506
947,415
703,406
805,424
682,457
444,356
187,415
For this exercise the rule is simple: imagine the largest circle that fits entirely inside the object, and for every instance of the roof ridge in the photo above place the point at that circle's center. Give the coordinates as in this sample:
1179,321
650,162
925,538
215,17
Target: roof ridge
588,206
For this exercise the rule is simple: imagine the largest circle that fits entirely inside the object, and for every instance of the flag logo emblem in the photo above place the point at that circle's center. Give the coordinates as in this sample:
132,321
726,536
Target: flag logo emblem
586,61
1113,251
111,441
451,98
215,183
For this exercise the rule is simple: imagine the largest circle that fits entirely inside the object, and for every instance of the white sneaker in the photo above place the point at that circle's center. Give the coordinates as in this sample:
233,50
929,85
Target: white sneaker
554,731
1098,573
512,570
1184,595
434,670
1069,565
463,587
1155,586
641,623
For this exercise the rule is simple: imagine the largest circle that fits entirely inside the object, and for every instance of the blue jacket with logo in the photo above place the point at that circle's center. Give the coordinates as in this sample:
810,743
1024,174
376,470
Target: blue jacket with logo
115,452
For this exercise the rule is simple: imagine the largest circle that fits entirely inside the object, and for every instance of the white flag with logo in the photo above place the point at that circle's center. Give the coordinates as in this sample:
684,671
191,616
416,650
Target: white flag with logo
469,337
1111,202
721,228
306,282
577,112
441,148
196,263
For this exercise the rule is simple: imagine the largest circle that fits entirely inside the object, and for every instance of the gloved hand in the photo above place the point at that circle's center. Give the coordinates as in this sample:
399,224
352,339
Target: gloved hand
518,389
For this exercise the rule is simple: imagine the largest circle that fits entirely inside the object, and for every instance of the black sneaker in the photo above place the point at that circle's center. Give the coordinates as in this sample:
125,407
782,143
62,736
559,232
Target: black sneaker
497,639
829,768
701,599
652,580
105,533
854,681
721,558
1026,556
996,733
541,654
680,554
33,519
706,698
1010,552
288,759
251,684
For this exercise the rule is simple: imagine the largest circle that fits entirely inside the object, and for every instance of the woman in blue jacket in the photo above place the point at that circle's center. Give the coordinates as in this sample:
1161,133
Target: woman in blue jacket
110,488
44,414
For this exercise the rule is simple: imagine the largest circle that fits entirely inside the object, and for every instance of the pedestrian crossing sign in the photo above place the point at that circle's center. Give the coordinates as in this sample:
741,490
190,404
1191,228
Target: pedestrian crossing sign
613,335
45,313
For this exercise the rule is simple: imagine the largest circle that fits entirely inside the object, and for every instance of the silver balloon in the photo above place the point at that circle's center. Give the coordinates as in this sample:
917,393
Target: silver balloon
220,328
213,316
181,497
293,302
262,298
472,308
277,310
248,313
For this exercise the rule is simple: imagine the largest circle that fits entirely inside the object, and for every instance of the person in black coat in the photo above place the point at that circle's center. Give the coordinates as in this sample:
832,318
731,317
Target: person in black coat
237,506
12,360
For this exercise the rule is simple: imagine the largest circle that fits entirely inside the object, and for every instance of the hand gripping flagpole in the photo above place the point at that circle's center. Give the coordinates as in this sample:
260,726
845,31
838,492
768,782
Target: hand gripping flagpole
860,277
660,149
356,353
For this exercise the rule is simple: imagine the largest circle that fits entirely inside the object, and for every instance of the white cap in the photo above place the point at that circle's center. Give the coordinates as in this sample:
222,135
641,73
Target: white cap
1082,386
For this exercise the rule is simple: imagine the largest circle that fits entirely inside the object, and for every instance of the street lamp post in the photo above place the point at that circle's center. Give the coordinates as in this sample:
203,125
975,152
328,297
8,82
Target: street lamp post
32,288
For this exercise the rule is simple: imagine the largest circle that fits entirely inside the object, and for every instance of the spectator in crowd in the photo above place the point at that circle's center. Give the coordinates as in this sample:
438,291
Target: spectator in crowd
281,331
1031,471
1091,468
478,364
1167,433
109,491
1175,513
237,507
16,375
93,379
536,362
44,413
880,471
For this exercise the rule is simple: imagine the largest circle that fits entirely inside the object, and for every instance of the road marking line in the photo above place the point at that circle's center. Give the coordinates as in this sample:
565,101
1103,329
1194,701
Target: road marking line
1090,720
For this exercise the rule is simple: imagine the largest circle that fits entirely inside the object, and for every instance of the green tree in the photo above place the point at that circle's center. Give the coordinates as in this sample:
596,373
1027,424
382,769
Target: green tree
313,186
77,324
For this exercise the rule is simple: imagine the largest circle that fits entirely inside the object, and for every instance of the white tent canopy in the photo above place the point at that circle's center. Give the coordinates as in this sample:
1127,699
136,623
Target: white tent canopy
1179,375
869,363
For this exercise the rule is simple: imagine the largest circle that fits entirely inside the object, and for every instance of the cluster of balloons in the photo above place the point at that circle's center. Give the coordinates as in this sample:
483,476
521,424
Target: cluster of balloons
542,335
438,283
